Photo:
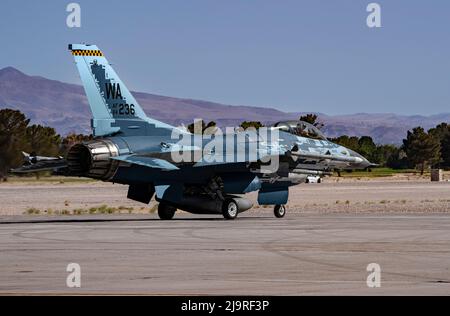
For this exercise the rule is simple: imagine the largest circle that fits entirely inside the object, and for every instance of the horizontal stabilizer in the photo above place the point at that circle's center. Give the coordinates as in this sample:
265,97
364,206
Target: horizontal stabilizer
147,162
44,165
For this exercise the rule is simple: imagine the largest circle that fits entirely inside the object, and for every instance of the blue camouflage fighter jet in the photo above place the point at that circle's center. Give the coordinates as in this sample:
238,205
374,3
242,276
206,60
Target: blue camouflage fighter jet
197,173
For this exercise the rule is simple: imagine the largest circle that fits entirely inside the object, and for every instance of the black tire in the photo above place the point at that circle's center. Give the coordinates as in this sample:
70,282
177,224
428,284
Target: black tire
230,209
319,180
279,211
166,212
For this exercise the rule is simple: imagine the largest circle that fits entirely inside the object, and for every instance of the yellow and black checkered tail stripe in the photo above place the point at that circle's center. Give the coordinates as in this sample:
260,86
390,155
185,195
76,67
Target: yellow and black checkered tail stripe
84,52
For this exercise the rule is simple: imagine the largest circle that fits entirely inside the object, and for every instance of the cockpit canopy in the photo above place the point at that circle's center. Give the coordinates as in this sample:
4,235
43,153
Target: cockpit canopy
301,128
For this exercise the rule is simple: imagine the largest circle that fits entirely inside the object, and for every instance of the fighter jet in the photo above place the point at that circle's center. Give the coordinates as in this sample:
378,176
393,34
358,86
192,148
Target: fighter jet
197,173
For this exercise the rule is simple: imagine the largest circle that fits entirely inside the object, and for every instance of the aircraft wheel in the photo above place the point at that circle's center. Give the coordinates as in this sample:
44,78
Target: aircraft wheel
230,209
166,212
279,211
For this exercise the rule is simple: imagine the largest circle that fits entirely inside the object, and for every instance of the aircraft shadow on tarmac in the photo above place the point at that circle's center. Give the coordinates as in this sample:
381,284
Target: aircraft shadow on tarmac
99,220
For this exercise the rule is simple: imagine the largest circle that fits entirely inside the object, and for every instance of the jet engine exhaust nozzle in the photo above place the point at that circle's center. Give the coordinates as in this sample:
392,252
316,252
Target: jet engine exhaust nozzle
92,159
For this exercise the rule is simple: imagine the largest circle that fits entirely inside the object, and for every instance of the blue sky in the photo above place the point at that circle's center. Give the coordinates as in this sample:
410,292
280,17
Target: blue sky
312,55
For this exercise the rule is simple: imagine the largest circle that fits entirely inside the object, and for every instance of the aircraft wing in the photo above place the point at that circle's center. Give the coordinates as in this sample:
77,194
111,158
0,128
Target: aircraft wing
147,162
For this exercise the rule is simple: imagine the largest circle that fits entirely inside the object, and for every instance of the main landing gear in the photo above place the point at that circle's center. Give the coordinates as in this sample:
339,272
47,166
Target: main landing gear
279,210
166,212
230,209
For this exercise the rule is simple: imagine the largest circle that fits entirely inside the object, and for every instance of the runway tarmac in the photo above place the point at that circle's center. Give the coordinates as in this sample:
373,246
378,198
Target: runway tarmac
254,255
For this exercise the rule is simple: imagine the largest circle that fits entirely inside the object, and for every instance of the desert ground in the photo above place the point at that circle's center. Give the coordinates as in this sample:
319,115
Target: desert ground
331,232
398,194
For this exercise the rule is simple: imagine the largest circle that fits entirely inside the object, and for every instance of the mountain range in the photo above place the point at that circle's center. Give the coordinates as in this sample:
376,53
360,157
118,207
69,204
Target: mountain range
64,106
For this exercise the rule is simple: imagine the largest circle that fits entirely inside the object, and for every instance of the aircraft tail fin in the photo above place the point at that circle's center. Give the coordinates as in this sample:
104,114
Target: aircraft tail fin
114,109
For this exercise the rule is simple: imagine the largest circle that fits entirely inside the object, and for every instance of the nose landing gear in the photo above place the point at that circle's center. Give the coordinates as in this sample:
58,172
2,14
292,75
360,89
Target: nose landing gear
230,209
279,210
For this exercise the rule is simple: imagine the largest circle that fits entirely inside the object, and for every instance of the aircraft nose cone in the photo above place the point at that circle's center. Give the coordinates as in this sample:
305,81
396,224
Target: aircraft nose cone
360,161
365,163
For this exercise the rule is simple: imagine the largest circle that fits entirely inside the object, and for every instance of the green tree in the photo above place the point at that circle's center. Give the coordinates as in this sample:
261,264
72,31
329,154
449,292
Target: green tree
247,124
346,141
442,133
42,140
367,147
398,160
72,139
421,148
384,155
13,126
445,150
199,127
312,119
211,128
389,156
